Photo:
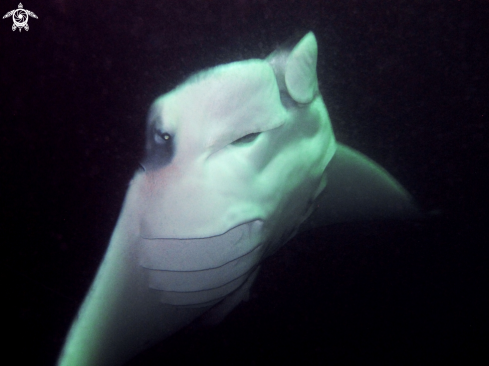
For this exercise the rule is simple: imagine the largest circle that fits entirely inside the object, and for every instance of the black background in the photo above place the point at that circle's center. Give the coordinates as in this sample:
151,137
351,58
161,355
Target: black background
405,82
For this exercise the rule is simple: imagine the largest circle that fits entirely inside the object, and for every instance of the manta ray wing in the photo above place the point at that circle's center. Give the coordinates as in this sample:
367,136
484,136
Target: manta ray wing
359,189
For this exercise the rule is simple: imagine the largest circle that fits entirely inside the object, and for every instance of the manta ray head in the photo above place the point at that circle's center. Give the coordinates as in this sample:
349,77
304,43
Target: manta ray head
236,161
235,157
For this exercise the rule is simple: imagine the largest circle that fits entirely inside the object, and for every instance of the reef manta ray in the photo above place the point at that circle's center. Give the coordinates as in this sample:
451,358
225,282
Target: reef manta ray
239,158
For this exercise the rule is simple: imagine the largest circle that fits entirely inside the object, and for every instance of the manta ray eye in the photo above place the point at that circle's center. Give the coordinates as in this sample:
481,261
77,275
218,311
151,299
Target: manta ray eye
161,137
159,148
246,139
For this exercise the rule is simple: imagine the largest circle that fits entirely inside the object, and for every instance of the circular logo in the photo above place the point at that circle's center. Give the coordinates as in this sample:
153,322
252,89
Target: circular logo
20,18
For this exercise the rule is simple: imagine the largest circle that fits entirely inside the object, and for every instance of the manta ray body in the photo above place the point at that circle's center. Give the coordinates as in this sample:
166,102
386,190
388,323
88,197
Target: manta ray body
239,158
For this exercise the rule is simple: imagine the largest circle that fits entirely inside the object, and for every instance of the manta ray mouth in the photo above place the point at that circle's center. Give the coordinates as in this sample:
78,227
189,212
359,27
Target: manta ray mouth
204,270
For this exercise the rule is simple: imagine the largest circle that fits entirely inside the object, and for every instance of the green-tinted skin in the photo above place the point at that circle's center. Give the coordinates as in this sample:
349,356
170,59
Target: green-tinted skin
239,158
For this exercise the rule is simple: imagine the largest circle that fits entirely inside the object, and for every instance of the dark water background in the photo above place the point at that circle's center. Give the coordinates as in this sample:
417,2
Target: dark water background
405,82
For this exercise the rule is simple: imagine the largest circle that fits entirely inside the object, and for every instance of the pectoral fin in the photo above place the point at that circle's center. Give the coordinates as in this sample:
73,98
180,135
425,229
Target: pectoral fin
359,189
